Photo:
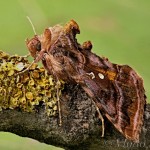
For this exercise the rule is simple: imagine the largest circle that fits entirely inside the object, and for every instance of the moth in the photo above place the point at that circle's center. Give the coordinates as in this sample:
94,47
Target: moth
117,90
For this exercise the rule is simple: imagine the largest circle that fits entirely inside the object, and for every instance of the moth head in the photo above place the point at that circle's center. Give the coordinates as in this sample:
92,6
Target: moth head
34,46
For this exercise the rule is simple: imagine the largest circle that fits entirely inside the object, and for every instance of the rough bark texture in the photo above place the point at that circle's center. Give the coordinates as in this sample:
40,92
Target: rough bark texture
81,130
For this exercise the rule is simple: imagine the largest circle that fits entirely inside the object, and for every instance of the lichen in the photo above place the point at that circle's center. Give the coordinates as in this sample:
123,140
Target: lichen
26,90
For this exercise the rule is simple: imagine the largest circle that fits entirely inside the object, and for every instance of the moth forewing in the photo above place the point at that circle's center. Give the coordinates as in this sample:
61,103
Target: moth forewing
112,87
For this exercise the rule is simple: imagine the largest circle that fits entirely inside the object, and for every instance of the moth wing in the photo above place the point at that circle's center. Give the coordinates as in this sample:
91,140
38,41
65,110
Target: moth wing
118,92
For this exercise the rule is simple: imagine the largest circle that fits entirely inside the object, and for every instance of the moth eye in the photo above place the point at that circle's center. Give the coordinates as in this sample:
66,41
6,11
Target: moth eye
38,46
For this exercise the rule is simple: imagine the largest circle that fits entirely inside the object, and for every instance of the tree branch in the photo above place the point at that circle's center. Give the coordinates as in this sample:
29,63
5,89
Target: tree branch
80,130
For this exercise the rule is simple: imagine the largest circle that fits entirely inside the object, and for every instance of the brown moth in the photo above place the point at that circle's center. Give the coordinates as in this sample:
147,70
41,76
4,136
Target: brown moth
116,90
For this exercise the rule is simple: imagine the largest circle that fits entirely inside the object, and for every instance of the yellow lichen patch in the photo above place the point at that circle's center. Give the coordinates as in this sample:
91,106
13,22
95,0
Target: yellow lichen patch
19,85
19,66
27,90
34,66
11,72
29,95
13,103
55,107
35,74
31,82
22,101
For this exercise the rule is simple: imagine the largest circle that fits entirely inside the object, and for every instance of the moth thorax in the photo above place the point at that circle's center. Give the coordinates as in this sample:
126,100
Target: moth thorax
55,33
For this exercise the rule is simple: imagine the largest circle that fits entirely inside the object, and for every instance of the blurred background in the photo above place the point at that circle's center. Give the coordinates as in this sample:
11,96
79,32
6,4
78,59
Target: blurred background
118,29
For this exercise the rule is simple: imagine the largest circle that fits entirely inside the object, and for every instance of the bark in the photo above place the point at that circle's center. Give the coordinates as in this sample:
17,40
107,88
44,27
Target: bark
80,130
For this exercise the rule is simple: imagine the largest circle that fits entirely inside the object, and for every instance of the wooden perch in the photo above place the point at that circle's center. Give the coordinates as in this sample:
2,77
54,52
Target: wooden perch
33,115
80,129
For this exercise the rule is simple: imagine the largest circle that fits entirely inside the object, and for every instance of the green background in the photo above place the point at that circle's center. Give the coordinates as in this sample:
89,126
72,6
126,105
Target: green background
118,29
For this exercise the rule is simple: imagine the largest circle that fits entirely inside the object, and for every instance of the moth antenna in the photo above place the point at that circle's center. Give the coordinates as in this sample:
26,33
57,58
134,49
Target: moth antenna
31,25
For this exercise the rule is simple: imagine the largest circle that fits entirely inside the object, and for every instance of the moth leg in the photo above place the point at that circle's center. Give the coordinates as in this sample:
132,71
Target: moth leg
37,59
101,118
58,102
26,68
